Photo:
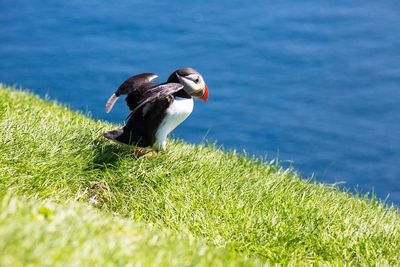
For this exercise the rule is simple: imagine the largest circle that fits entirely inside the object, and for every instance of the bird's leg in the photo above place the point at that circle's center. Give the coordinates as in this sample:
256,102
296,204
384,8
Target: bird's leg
138,152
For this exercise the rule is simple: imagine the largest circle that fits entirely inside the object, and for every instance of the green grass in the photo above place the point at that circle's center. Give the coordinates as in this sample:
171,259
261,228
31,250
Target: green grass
46,234
239,208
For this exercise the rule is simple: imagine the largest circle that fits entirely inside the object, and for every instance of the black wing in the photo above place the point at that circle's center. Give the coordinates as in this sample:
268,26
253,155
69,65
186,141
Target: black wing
134,83
131,85
158,92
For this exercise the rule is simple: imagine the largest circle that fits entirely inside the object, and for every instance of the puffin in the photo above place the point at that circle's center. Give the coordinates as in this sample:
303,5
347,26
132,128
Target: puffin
156,108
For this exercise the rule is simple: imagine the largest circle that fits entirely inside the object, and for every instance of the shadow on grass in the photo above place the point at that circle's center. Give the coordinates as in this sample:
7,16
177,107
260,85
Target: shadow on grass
109,155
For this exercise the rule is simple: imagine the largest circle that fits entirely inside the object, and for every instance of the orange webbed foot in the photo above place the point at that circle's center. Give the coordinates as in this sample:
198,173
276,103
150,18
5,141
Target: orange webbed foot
141,152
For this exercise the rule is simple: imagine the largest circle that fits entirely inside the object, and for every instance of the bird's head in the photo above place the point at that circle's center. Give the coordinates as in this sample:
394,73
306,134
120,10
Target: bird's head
193,83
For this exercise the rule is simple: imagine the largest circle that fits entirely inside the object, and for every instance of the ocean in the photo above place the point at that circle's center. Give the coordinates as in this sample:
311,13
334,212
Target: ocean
313,84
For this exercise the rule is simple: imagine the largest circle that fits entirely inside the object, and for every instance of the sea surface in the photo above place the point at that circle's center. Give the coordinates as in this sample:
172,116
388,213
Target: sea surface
315,84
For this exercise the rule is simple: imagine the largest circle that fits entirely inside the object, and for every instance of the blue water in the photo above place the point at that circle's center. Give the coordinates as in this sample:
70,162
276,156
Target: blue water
314,83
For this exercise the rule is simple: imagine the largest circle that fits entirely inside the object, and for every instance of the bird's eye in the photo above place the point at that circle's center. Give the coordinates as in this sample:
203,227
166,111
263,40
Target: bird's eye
197,80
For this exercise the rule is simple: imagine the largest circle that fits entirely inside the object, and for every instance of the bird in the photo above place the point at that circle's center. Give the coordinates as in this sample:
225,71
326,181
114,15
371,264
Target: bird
156,109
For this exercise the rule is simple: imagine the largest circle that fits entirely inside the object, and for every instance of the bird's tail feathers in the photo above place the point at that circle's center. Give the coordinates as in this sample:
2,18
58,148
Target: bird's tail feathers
115,135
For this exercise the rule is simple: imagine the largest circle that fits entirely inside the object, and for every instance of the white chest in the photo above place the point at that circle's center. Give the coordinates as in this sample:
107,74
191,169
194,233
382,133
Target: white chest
176,113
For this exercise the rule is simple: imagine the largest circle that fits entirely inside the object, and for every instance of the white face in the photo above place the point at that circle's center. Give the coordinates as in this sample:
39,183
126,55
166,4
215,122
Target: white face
193,84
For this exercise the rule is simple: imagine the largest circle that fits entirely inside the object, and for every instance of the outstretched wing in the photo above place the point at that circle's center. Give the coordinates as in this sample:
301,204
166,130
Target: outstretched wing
132,84
158,92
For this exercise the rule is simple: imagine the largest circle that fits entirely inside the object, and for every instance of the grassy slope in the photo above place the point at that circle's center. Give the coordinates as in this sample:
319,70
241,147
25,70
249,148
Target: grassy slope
46,234
225,200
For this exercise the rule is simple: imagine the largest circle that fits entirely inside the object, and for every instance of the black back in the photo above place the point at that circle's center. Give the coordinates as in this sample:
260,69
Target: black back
140,130
134,97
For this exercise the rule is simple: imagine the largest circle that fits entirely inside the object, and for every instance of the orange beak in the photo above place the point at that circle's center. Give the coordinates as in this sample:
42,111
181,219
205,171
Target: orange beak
204,97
